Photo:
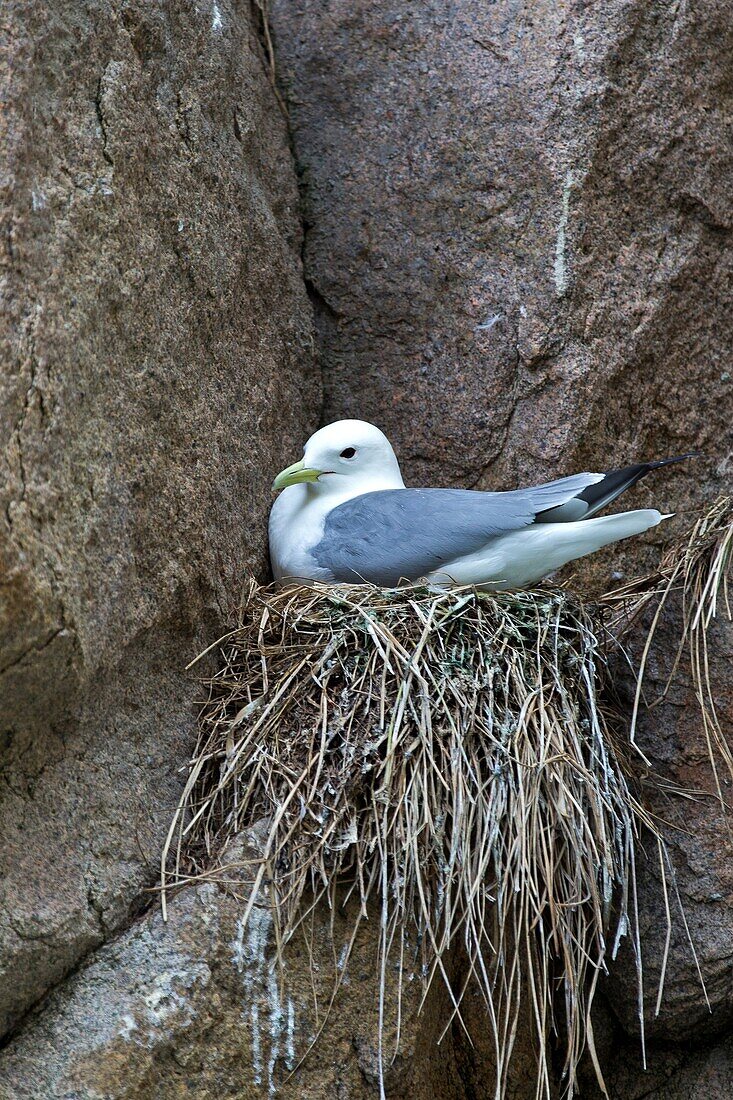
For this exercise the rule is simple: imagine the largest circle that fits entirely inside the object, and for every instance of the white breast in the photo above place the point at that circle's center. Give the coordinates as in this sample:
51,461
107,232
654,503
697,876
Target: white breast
296,526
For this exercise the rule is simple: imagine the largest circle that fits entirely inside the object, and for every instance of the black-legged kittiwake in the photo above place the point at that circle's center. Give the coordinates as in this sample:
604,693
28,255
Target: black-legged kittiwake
345,515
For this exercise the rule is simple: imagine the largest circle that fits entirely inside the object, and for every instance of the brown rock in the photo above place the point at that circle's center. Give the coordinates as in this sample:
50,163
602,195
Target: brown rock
695,1006
197,1007
518,238
706,1075
674,1071
156,348
518,247
518,234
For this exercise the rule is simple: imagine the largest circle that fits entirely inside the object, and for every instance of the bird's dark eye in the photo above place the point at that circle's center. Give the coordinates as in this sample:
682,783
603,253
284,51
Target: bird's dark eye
349,452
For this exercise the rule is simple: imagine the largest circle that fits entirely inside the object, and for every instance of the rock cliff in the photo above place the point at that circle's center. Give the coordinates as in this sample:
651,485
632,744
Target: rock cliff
517,246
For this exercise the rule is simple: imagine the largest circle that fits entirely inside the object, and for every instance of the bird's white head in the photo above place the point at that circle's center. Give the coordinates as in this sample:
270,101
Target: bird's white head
346,458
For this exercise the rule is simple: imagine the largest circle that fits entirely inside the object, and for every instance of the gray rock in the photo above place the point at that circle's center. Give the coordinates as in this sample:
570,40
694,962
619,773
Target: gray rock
198,1007
156,369
518,239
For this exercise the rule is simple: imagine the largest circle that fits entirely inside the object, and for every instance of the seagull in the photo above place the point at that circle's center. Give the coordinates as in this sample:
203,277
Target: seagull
345,516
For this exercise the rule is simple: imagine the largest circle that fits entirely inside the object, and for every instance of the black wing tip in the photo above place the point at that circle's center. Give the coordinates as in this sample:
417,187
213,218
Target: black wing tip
671,461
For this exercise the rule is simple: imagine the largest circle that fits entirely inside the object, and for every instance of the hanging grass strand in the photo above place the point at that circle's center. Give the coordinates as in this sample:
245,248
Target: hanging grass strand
699,570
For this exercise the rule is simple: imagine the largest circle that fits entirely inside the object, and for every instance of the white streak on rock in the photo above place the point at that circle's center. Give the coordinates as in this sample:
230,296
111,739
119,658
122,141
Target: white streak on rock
342,960
250,959
216,21
277,1019
489,323
254,1015
259,979
561,270
290,1037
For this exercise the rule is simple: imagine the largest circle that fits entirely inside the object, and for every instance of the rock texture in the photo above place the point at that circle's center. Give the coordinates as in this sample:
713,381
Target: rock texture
518,242
701,844
518,230
156,349
518,248
688,1039
706,1075
198,1008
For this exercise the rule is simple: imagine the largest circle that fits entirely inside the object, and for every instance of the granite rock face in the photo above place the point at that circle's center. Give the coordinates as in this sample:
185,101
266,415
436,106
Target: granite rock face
705,1075
518,249
695,1007
518,243
198,1007
156,368
518,230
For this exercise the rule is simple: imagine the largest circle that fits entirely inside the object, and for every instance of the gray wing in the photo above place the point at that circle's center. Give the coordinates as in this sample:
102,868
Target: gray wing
395,534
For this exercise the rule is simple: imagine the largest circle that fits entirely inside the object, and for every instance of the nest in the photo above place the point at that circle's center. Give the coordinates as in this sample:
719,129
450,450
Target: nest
446,755
444,758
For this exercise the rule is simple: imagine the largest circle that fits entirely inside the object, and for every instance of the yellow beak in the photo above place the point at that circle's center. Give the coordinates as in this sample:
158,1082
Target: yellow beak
294,475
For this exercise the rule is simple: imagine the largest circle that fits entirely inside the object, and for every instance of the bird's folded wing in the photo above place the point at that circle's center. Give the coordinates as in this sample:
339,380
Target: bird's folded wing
394,534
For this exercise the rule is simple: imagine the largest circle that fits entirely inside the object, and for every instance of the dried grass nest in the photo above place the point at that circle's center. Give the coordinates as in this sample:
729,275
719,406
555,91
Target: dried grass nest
448,755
